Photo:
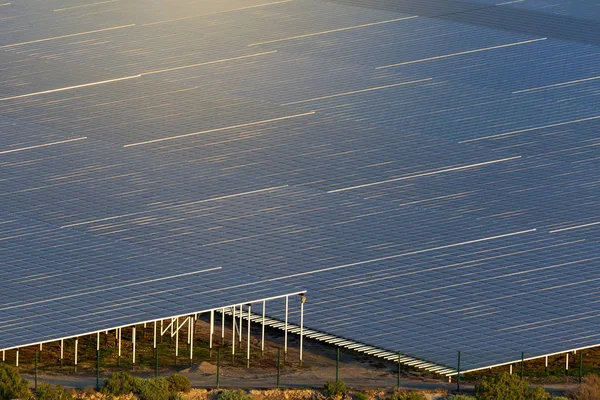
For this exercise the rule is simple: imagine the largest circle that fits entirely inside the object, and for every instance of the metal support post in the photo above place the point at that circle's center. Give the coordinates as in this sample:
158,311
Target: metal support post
191,340
154,340
222,326
62,351
337,366
76,346
248,343
133,346
119,346
233,329
17,359
399,370
546,365
4,355
262,336
522,363
156,361
98,361
510,369
567,364
212,329
36,368
458,374
176,346
302,301
285,339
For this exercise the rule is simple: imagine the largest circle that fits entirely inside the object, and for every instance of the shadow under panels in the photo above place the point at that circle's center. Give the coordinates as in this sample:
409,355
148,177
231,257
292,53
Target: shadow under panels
70,283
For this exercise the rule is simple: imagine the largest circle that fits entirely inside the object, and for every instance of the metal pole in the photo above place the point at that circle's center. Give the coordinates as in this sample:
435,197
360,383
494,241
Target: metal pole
191,341
154,341
248,343
133,346
241,324
98,361
212,329
302,301
176,346
567,365
4,354
458,374
398,370
522,363
62,352
36,369
17,359
546,365
219,363
278,366
156,361
233,329
337,366
222,325
262,337
76,346
286,327
119,346
580,366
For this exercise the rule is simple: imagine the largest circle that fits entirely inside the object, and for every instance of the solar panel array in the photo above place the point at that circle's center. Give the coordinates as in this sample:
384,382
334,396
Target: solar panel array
429,177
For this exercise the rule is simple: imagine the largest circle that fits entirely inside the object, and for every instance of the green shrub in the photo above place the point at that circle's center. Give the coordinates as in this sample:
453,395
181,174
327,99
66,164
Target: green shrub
46,392
460,397
179,383
11,384
589,388
176,396
335,390
508,387
360,396
154,389
407,396
234,395
119,383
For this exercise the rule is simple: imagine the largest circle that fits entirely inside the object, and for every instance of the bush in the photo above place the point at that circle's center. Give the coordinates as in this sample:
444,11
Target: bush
46,392
589,388
360,396
408,396
460,397
179,383
154,389
11,384
335,390
234,395
508,387
119,383
176,396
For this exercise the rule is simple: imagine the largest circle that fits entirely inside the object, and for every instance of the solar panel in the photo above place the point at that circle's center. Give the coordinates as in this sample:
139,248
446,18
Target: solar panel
430,181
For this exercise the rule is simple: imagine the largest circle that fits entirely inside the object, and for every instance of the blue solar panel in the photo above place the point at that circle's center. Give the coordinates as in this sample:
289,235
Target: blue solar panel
431,180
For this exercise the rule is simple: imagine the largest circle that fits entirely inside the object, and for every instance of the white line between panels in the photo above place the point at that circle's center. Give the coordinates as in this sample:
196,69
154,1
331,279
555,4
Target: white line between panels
530,129
5,4
70,87
110,288
207,63
509,2
218,12
556,85
402,178
461,53
575,227
356,91
84,5
333,30
66,36
42,145
219,129
175,206
404,254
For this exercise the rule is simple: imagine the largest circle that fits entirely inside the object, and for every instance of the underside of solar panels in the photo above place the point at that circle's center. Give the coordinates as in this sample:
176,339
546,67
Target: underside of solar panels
393,176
